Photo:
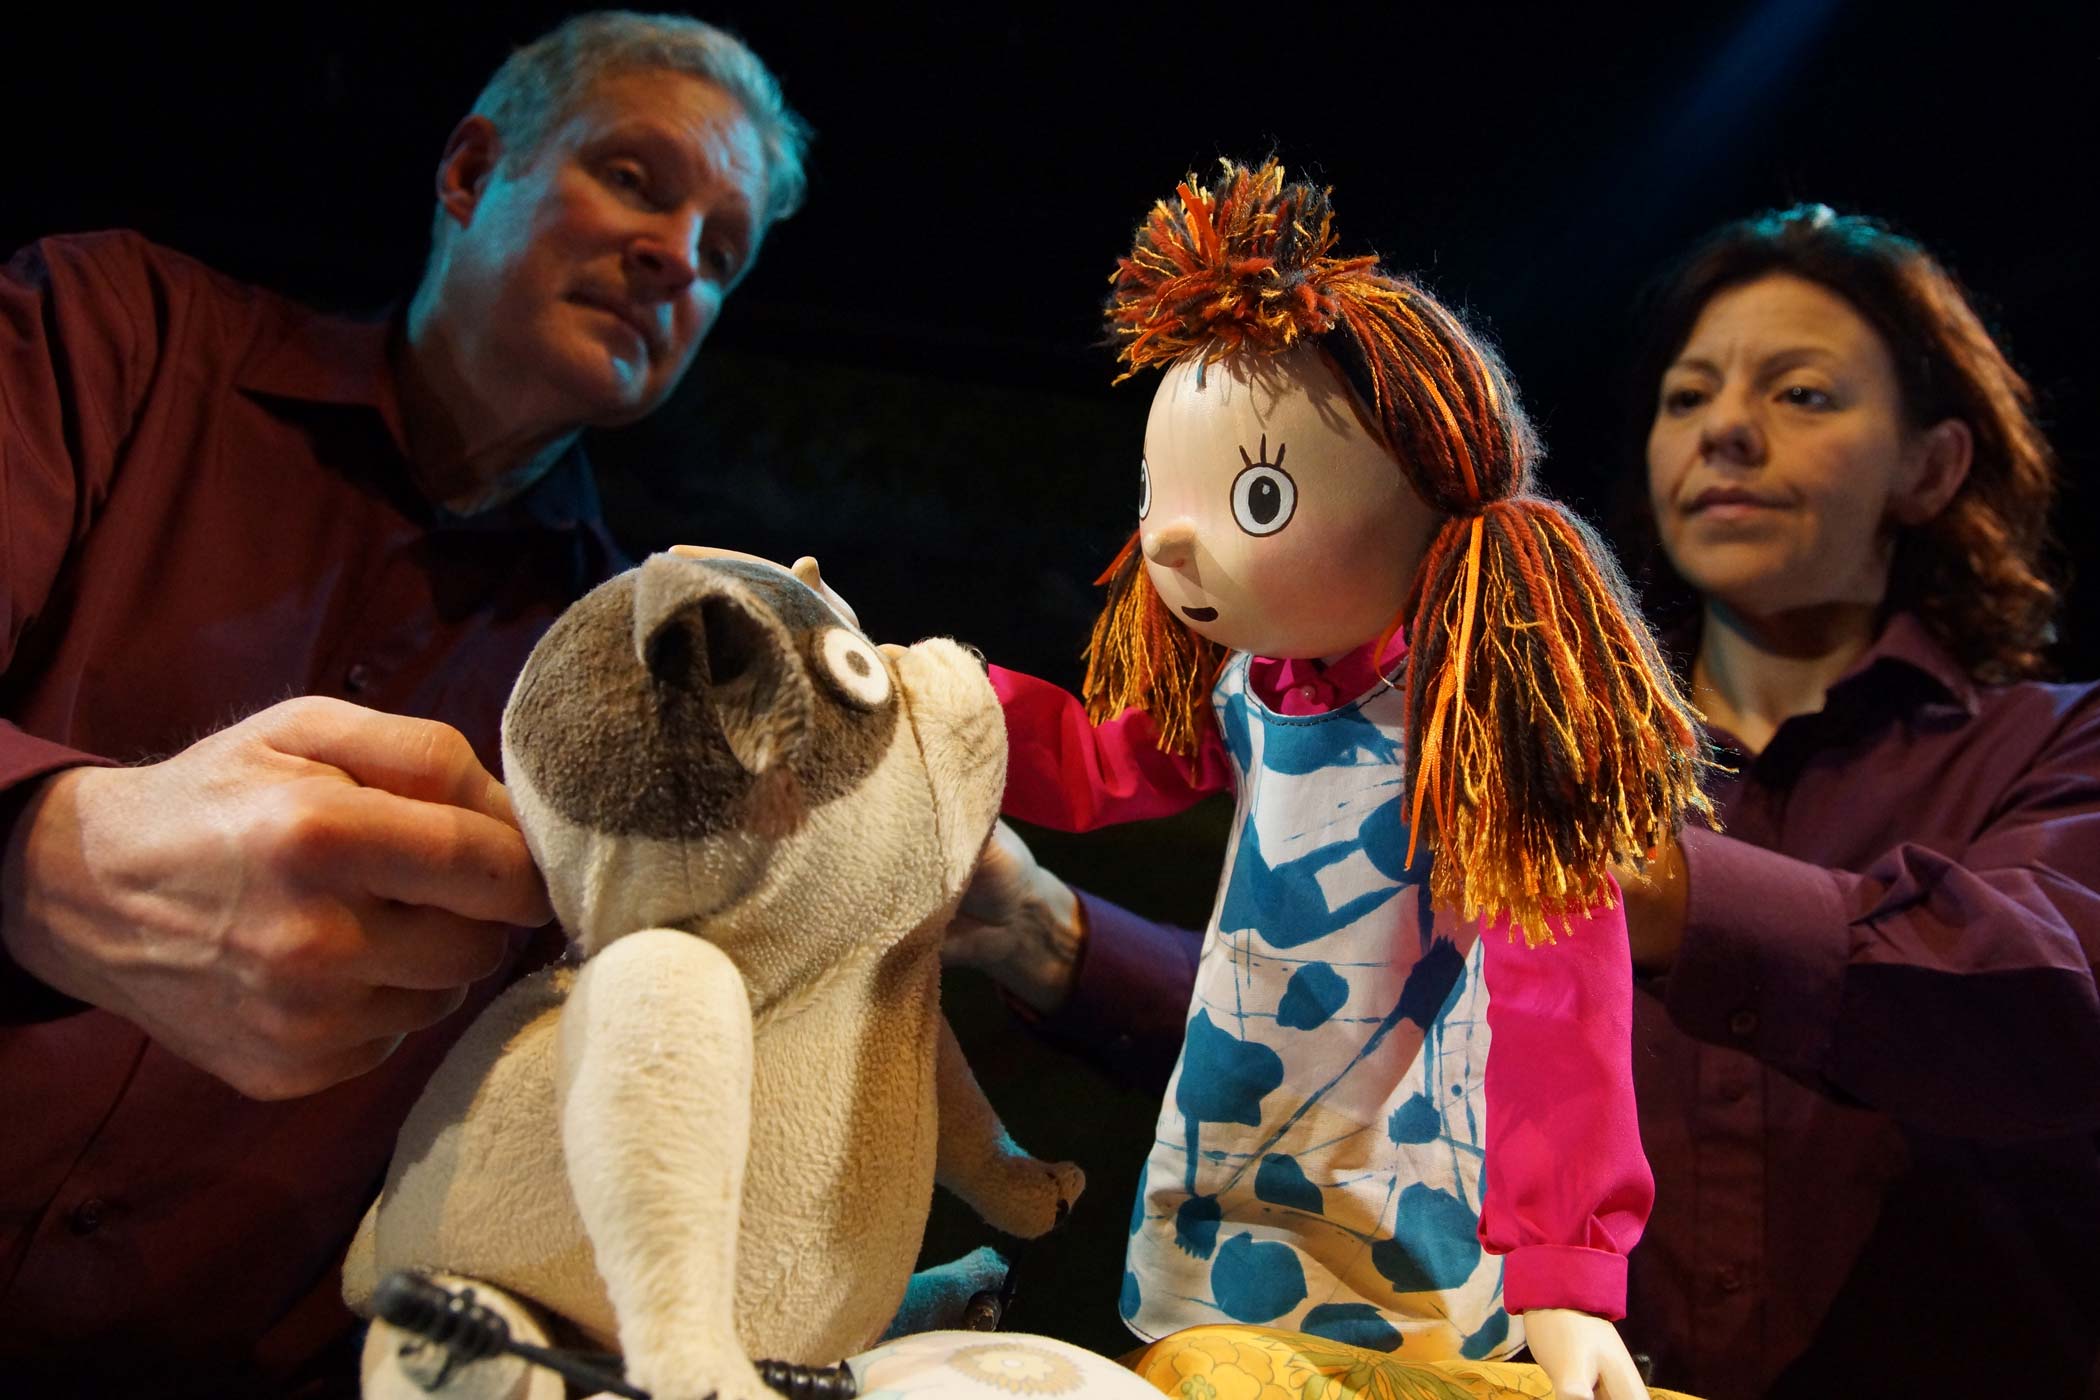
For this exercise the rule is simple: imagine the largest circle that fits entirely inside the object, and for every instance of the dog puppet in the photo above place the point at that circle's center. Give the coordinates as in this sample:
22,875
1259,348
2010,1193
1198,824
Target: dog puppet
712,1133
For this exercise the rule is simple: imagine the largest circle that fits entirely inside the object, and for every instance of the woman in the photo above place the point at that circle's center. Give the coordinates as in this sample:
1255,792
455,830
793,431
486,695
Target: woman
1866,1042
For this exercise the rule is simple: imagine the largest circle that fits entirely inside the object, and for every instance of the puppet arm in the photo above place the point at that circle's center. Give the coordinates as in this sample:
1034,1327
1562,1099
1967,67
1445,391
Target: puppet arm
979,1162
1065,772
654,1097
1568,1188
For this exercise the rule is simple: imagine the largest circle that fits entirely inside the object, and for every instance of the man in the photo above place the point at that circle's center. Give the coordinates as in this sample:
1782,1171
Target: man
229,971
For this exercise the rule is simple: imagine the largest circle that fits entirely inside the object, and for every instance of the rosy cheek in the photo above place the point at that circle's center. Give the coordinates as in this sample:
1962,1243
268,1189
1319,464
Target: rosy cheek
1277,571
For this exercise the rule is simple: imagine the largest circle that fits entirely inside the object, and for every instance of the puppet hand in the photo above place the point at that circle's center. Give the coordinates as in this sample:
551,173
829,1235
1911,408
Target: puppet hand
804,569
1582,1355
281,902
1018,924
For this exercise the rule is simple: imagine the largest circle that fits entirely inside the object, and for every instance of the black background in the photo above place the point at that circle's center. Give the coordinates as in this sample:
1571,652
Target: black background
910,384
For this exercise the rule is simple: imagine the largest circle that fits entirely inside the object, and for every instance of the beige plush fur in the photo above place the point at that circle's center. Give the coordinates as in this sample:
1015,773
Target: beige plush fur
716,1138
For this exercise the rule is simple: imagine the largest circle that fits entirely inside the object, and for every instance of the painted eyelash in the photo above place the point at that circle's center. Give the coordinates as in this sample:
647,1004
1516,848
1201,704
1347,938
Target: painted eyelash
1263,459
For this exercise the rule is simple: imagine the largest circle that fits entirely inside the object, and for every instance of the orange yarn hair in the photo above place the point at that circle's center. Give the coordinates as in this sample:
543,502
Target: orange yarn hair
1546,738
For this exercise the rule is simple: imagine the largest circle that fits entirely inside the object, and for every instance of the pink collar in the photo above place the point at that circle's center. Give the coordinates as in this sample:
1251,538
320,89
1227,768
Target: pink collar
1305,686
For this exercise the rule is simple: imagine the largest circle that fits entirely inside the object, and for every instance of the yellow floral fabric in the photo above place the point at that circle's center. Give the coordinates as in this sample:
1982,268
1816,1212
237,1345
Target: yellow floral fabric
1262,1363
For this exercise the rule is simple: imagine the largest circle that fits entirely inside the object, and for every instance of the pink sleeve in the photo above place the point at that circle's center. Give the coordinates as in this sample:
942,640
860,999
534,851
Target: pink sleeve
1568,1187
1064,772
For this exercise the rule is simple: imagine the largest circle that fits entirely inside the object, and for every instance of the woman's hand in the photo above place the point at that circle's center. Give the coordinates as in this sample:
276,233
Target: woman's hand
1018,924
1657,902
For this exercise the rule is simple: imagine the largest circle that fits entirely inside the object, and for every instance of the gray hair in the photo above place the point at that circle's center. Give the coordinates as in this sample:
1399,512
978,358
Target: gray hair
542,83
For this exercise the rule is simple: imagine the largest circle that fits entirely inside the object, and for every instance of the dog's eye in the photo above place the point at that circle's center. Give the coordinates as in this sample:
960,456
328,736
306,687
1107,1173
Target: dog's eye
854,668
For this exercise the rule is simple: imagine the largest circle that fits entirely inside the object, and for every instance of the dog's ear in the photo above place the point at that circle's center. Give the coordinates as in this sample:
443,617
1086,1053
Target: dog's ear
704,632
962,735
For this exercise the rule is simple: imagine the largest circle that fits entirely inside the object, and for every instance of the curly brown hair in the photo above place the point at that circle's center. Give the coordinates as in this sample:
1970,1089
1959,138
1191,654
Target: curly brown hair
1982,573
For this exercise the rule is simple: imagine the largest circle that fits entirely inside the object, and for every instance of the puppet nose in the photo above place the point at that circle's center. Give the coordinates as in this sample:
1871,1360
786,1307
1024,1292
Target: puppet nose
1171,545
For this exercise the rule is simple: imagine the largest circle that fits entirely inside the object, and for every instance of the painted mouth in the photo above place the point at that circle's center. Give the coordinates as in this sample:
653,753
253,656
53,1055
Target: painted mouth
1200,614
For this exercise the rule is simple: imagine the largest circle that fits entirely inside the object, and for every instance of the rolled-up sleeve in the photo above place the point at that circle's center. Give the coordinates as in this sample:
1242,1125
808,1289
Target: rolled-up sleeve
1130,994
1568,1188
1951,990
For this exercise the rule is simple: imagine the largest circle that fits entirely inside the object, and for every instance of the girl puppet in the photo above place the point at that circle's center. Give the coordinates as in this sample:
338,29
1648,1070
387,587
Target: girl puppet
1419,861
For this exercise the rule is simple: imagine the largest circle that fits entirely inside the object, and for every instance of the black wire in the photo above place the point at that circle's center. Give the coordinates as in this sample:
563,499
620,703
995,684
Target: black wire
470,1332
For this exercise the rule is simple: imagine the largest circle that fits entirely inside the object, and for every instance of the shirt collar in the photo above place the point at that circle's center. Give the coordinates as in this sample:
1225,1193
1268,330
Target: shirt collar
308,357
323,359
1906,642
1322,686
565,497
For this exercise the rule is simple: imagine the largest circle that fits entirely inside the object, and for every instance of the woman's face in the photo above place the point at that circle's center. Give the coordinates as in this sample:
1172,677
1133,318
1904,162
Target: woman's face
1780,461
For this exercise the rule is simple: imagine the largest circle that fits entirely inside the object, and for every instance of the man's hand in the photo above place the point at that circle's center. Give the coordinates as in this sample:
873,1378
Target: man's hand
1018,924
1656,908
1582,1355
280,903
805,569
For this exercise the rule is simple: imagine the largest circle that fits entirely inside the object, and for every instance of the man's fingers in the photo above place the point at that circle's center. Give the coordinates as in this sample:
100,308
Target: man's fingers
425,853
397,1011
806,569
425,949
347,1043
416,758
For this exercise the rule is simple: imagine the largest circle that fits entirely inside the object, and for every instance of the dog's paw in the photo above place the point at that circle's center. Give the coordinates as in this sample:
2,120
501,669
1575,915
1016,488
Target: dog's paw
1033,1197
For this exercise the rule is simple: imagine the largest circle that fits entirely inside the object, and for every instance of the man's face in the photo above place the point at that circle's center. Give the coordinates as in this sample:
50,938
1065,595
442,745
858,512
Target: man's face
584,275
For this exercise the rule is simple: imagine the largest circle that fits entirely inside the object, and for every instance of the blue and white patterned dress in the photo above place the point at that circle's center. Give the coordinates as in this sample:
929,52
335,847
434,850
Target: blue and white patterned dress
1318,1163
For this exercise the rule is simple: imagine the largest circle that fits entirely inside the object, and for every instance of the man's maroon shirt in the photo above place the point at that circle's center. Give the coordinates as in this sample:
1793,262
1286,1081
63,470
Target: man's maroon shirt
205,507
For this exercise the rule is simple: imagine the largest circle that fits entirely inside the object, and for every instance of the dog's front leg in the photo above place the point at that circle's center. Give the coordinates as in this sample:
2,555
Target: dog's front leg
655,1111
979,1162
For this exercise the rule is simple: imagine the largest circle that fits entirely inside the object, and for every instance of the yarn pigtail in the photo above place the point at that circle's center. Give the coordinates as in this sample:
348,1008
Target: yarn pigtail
1140,655
1549,741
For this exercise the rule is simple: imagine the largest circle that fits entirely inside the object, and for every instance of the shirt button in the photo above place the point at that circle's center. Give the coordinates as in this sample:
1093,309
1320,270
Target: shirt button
1729,1279
86,1218
357,678
1742,1023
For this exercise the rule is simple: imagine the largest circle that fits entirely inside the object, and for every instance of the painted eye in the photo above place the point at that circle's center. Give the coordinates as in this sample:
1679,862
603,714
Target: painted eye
1263,497
854,668
1144,488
